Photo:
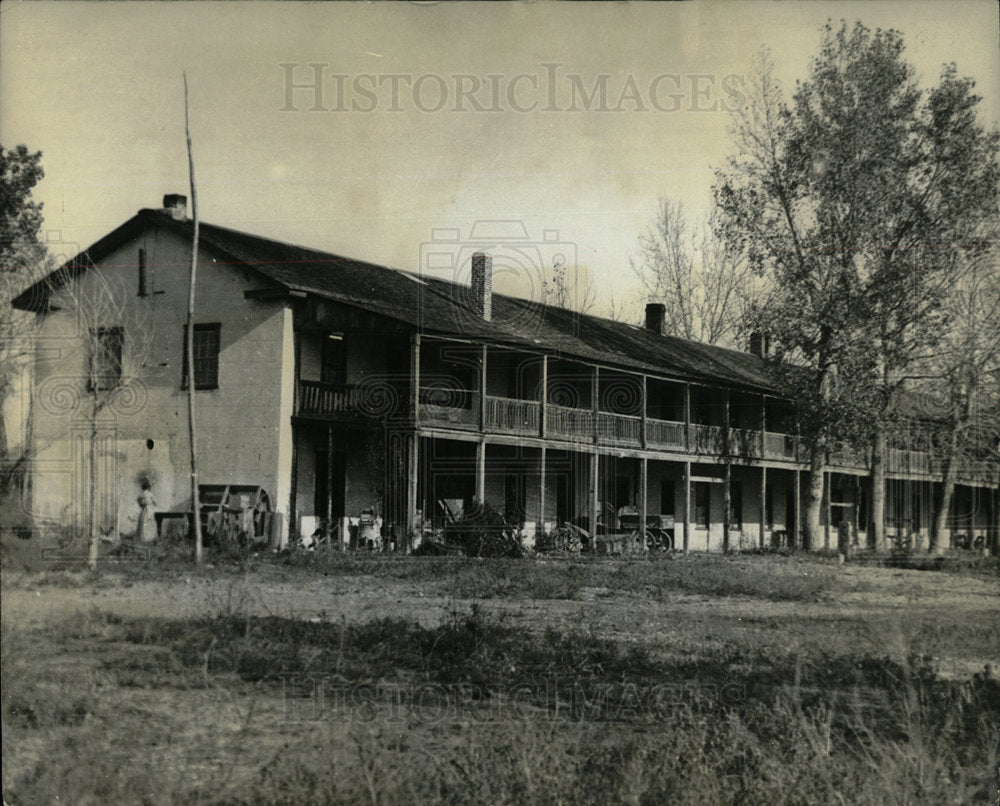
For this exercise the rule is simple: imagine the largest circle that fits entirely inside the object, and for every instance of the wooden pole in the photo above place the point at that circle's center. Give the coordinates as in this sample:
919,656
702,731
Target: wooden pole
543,398
643,484
541,492
796,520
763,504
192,430
329,481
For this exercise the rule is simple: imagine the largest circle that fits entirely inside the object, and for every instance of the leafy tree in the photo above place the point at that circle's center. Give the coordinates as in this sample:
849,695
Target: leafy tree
23,258
853,200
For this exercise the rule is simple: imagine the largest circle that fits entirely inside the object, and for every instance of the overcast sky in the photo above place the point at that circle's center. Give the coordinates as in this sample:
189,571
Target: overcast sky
572,119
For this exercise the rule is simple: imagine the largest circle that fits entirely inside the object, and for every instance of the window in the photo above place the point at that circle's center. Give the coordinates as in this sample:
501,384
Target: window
736,504
667,497
333,366
206,357
106,347
702,498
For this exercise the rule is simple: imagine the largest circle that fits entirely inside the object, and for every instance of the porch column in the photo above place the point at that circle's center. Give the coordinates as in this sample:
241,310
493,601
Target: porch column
727,502
482,390
763,503
798,508
643,478
541,492
543,399
642,423
293,490
687,427
329,481
415,377
595,393
411,486
687,506
595,503
827,509
481,472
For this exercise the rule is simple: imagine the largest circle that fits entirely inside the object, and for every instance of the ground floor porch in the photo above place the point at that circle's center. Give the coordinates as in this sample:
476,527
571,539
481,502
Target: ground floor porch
410,483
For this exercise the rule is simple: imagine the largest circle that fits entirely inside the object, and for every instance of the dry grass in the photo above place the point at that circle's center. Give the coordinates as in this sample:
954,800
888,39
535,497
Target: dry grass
224,708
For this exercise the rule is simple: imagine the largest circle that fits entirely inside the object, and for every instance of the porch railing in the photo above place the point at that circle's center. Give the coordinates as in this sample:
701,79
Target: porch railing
452,406
327,398
707,439
779,446
665,433
512,416
569,423
619,429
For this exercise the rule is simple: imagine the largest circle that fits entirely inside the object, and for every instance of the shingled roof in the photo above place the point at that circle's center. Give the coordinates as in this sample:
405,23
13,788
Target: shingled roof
432,305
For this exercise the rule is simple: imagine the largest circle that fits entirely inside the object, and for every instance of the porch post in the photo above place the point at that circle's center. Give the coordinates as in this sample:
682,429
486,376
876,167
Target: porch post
687,426
411,486
727,503
595,393
482,390
763,503
687,506
828,509
329,481
798,508
293,488
481,472
543,398
541,493
643,478
642,424
595,503
415,376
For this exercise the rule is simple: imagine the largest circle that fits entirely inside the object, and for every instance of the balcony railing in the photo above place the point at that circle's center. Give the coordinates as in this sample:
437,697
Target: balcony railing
779,446
619,429
707,439
512,416
327,398
665,433
568,423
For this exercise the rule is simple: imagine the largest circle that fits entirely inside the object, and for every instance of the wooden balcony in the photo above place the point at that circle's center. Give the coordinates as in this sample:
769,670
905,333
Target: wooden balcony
780,446
707,439
450,407
665,434
510,416
619,429
563,422
327,399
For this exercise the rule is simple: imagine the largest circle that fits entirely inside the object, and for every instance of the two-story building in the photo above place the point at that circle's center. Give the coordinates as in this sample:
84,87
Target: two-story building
338,386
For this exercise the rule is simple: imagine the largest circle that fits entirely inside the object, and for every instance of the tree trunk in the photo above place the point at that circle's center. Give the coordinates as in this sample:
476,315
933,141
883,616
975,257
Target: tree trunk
95,537
943,506
814,498
876,538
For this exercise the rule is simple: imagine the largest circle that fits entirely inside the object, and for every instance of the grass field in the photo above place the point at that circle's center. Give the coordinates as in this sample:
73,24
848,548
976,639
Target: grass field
728,679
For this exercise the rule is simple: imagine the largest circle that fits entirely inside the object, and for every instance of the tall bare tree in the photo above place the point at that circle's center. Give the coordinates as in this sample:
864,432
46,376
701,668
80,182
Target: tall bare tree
706,289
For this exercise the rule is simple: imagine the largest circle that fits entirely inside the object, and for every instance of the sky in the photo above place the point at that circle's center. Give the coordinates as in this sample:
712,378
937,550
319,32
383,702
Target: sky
397,132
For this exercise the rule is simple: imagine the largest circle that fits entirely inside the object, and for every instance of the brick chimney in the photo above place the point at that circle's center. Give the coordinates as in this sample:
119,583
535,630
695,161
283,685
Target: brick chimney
656,317
176,205
760,344
482,285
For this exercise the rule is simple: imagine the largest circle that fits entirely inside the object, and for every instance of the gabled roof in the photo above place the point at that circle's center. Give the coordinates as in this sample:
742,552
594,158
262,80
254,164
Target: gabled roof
437,306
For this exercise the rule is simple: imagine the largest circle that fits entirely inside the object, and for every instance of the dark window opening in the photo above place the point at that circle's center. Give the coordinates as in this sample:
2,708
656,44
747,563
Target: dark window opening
107,346
333,365
702,498
667,497
736,504
143,276
769,506
206,356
